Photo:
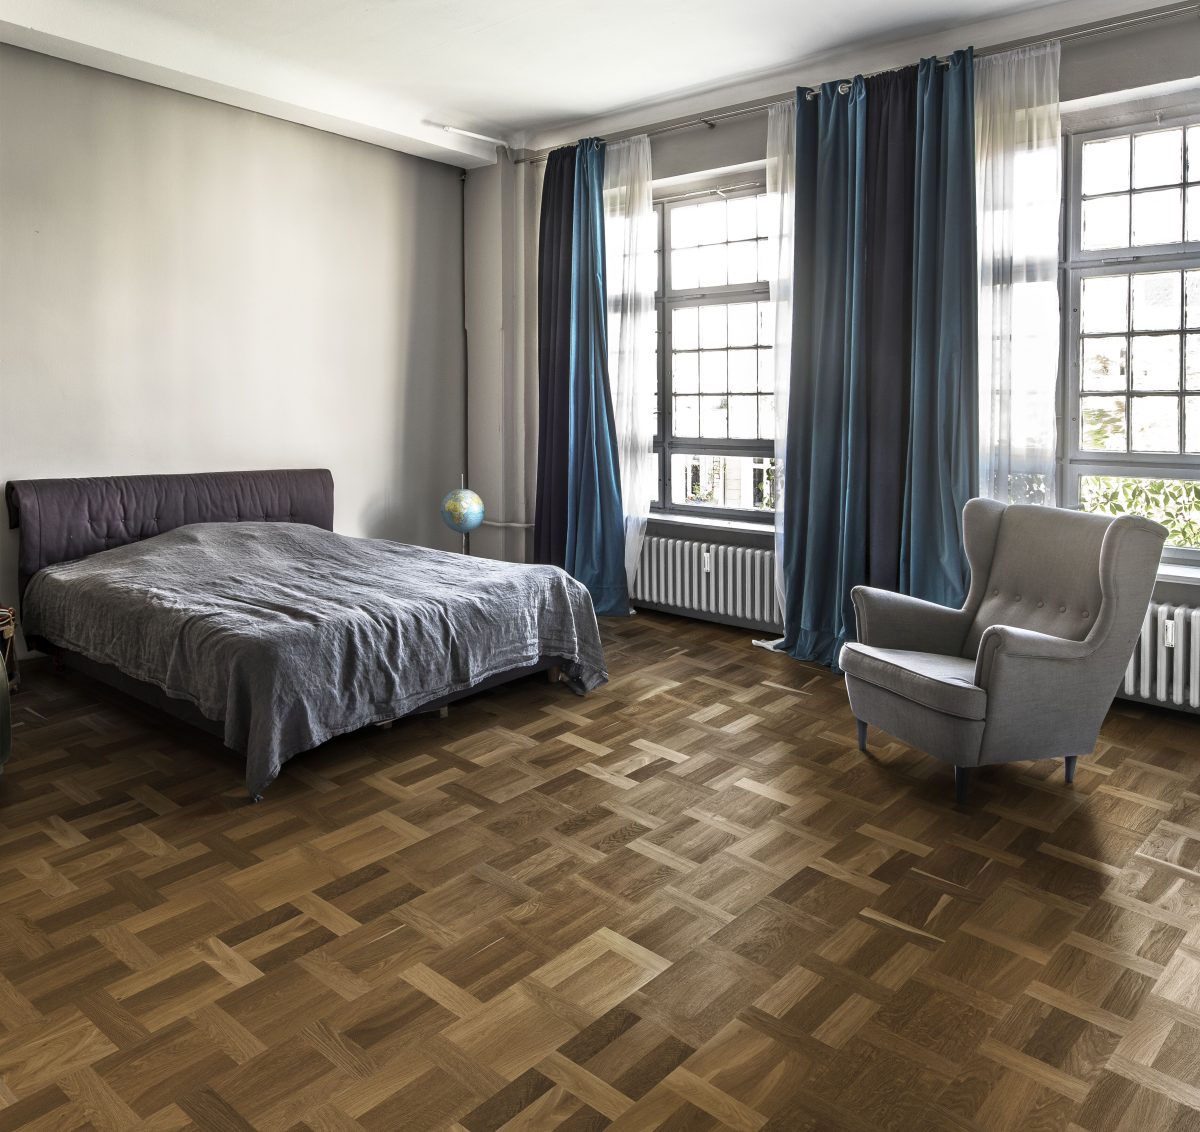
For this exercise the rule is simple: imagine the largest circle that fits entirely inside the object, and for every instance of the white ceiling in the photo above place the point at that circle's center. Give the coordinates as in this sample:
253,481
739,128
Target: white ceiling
391,71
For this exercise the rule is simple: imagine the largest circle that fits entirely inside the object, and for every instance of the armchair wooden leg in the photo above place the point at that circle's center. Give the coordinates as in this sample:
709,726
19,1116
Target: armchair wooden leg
862,735
1070,761
962,782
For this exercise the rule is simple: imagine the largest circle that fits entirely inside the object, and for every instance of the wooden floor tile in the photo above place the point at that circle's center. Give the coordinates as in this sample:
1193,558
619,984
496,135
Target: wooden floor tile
685,902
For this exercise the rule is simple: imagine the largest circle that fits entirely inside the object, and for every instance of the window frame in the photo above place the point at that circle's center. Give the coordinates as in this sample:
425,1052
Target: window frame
1079,264
666,300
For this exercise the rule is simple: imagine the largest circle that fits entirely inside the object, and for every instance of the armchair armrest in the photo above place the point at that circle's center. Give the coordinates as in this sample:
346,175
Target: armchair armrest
1006,652
889,620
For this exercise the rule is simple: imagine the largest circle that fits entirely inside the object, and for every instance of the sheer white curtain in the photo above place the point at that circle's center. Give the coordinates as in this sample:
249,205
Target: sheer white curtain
781,203
1018,164
631,271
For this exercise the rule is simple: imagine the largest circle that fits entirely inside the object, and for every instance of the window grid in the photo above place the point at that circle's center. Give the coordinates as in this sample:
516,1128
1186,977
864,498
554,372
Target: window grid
1133,398
696,345
1150,209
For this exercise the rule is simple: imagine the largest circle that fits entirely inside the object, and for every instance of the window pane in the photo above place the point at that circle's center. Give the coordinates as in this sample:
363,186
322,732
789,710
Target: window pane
742,218
743,417
1156,300
1103,364
1157,217
1174,503
1154,423
1193,214
1106,304
768,214
1191,362
743,371
685,269
685,373
766,371
684,233
766,322
714,420
766,418
713,376
1158,158
1102,424
684,323
714,265
766,261
738,482
710,221
1105,166
686,418
1106,223
743,262
712,328
1155,363
743,324
1191,441
1193,299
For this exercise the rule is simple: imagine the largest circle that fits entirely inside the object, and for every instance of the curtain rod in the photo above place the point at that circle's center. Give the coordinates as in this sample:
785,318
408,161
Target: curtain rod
1117,23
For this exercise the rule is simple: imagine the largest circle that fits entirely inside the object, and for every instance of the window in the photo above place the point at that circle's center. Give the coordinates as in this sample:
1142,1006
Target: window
716,381
1133,338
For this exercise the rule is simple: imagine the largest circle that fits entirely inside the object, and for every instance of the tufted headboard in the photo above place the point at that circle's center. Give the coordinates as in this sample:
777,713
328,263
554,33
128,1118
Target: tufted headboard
61,520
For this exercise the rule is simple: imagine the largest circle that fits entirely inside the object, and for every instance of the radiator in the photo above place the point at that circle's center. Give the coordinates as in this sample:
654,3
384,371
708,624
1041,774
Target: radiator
1165,666
731,584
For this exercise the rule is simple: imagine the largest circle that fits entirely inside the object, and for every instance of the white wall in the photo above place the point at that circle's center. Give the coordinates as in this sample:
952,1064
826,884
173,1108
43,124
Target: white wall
185,286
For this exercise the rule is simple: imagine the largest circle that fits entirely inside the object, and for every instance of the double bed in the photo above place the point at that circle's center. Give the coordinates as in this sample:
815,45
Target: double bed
227,599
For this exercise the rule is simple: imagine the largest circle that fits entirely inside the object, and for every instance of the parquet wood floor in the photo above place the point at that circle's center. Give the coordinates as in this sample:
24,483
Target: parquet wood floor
685,902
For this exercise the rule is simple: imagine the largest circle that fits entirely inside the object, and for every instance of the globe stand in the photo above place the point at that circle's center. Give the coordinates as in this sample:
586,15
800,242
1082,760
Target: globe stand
466,544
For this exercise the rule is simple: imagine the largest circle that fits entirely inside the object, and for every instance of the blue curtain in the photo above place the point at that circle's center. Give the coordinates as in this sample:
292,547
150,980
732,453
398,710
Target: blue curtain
943,439
825,459
583,528
554,357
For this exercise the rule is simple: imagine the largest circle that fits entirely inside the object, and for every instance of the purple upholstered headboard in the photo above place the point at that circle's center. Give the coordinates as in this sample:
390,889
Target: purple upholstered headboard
62,520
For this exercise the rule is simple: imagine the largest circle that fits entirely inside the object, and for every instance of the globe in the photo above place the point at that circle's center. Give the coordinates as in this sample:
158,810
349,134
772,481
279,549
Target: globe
462,510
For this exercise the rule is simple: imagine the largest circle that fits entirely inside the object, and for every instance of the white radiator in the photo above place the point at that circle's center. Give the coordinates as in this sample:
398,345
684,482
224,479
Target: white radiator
1165,666
733,584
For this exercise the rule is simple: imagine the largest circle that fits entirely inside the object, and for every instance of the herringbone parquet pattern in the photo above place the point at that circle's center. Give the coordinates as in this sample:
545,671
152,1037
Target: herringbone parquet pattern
686,902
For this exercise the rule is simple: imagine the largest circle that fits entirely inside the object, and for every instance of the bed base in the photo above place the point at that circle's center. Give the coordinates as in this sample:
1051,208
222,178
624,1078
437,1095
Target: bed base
152,696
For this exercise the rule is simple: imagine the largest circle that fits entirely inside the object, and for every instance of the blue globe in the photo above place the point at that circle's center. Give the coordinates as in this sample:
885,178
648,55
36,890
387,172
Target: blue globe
462,510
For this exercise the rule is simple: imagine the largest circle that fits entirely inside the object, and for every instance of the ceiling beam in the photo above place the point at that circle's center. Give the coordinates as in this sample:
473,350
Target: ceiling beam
158,51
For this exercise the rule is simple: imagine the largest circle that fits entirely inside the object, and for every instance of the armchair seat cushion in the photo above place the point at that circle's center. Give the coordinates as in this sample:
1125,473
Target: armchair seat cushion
944,683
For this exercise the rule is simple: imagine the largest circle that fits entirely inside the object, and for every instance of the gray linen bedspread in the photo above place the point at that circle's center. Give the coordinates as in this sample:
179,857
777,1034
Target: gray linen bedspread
291,634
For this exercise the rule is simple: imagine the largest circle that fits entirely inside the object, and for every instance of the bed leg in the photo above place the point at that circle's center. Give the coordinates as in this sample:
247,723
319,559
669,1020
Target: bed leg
443,712
553,674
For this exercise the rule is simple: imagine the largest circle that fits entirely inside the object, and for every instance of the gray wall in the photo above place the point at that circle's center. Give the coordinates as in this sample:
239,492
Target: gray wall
185,286
1156,52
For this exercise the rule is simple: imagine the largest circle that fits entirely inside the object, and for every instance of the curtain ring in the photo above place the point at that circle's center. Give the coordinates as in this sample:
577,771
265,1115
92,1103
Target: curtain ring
843,88
809,95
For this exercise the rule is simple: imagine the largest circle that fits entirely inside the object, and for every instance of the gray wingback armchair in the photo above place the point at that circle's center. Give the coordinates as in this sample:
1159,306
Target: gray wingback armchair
1030,664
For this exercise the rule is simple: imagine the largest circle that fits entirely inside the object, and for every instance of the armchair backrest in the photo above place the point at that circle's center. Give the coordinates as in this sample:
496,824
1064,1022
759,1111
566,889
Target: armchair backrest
1060,572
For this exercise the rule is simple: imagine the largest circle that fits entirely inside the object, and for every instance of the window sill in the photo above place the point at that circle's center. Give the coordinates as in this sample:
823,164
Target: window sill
710,521
1178,572
705,528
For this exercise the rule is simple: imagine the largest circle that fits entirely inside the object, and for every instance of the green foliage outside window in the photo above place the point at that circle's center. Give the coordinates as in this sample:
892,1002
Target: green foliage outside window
1174,503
